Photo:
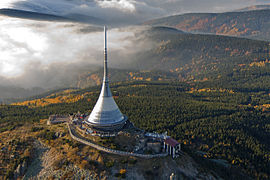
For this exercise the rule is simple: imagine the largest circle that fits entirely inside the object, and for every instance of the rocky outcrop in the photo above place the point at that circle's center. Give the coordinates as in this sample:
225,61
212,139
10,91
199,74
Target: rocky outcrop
60,134
20,170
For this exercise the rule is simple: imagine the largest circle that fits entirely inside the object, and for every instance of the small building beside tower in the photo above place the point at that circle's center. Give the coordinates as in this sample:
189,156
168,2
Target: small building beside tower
172,147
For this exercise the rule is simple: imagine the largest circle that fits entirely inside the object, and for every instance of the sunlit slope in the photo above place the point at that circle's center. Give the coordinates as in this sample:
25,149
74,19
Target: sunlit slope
254,7
65,96
251,24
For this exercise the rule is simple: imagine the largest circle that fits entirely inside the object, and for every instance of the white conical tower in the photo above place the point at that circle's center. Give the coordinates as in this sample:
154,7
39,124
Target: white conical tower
106,115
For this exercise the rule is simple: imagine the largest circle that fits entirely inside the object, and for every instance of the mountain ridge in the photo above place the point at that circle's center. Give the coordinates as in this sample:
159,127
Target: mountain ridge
250,24
255,7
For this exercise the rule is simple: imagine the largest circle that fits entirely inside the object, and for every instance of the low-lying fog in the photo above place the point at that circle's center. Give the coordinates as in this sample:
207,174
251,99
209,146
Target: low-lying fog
44,54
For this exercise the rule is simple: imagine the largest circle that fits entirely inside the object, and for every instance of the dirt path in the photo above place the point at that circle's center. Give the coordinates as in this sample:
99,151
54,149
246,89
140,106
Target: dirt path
36,166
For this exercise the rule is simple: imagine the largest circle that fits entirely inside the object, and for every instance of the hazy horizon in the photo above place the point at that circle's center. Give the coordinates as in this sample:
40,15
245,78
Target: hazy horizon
42,54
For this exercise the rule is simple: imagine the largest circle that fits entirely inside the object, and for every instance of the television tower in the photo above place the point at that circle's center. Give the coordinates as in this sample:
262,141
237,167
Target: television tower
106,115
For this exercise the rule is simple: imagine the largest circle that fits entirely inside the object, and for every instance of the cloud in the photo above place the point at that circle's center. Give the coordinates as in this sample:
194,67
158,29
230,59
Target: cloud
114,11
123,12
122,5
128,11
50,54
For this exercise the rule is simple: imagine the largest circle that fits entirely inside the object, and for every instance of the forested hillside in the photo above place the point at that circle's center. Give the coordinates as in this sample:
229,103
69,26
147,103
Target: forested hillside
179,56
220,123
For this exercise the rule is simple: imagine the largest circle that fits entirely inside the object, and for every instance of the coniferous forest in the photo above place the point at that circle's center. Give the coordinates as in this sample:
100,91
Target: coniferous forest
227,124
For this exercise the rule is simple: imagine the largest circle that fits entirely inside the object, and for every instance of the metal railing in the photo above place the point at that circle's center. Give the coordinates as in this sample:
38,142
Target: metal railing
111,151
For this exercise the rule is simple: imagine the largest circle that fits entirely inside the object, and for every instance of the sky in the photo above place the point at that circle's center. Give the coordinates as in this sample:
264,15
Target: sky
128,11
33,51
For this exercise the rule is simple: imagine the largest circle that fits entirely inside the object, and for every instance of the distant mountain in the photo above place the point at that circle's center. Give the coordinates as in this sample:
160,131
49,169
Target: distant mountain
159,30
178,56
229,61
249,24
12,92
50,17
255,7
172,50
